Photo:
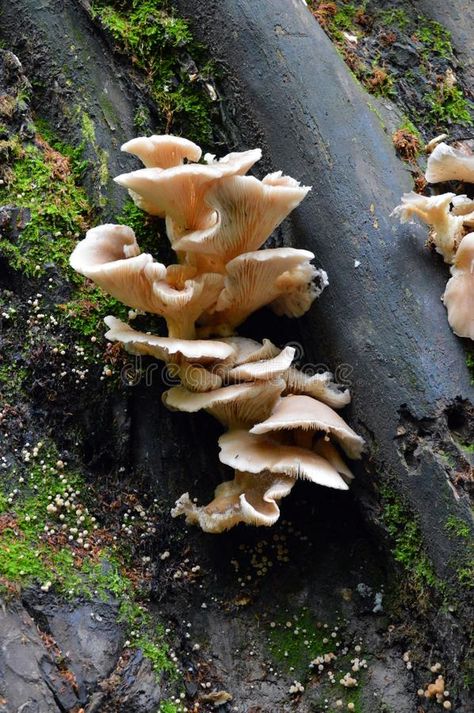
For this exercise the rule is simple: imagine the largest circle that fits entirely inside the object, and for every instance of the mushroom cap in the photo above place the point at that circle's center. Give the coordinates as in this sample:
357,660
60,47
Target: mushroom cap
235,406
164,151
319,386
264,369
446,163
435,211
248,350
255,454
462,205
306,413
200,351
236,162
257,278
248,212
248,498
459,294
177,193
109,255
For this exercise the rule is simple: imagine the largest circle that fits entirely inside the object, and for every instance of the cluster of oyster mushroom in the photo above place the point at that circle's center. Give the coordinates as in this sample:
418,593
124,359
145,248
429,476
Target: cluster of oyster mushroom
451,219
281,423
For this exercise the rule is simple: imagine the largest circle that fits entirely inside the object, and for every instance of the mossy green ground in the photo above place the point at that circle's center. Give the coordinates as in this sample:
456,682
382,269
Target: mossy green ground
446,105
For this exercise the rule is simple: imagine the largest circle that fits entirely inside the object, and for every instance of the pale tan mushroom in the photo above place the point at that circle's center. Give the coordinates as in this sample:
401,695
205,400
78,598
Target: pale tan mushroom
447,163
319,386
248,212
304,414
459,294
256,279
164,151
236,406
448,229
109,255
248,499
248,350
264,369
168,349
177,193
236,163
252,453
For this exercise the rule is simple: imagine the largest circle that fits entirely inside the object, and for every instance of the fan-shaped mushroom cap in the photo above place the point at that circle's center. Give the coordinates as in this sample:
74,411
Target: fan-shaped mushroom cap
109,255
195,377
248,350
264,369
249,211
319,386
234,406
462,205
248,498
256,279
304,284
236,162
163,151
200,351
435,211
307,414
177,193
459,294
449,164
255,454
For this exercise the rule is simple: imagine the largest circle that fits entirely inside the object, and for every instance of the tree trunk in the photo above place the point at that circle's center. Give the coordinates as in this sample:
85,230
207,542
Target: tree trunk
380,326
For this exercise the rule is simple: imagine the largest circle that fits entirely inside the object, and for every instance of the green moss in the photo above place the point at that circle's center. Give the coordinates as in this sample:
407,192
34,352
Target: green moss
456,526
448,105
168,707
160,44
395,17
408,125
407,540
296,645
434,37
470,364
45,183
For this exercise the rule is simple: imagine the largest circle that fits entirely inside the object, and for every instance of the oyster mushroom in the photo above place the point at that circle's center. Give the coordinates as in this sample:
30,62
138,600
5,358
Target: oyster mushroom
448,229
164,151
258,278
247,498
459,294
447,163
256,454
235,406
303,414
248,212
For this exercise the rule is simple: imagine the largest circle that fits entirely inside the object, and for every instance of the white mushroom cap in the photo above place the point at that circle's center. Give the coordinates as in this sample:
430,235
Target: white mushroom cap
248,499
163,151
249,210
236,163
109,255
255,454
264,369
255,279
319,386
307,414
234,406
177,193
248,350
449,164
459,294
200,351
435,211
462,205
